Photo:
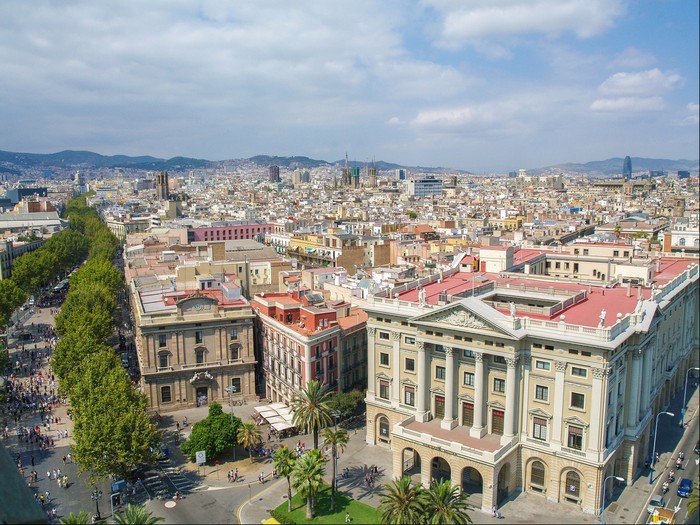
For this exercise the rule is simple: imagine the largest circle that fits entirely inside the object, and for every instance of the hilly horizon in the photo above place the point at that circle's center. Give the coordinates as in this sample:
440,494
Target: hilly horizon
15,162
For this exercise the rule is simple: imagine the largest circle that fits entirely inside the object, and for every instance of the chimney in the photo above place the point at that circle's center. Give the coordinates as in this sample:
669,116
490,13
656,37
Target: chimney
629,288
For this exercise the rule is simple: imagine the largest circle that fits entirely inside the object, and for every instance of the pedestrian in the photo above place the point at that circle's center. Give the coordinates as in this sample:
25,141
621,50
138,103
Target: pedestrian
493,511
32,461
347,517
235,475
48,474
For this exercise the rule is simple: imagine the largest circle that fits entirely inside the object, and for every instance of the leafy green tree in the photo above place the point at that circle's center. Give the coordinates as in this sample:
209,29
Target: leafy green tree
337,440
11,298
97,321
136,515
98,271
308,475
33,270
249,436
310,407
412,215
70,352
446,503
91,296
214,434
342,403
694,500
402,502
285,459
82,518
112,431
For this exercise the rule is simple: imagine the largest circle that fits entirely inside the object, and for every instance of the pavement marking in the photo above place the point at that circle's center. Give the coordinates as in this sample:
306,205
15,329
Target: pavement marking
238,511
170,504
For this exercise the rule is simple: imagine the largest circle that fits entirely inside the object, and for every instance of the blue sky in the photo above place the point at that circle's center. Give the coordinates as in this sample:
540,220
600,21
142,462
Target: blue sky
482,85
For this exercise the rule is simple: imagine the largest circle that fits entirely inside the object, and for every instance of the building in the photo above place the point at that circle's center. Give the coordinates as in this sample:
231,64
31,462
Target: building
424,187
627,168
274,174
10,250
191,342
507,382
301,337
231,231
372,174
162,186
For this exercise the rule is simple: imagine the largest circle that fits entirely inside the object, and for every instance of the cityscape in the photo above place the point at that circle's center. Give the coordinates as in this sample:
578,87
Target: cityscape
392,264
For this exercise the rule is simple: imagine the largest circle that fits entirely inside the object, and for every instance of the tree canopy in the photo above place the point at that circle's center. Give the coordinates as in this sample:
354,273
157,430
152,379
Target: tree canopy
214,434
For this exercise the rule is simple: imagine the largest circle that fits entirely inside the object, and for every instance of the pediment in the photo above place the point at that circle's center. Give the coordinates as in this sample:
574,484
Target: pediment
407,381
196,303
465,397
496,404
575,420
382,375
538,412
437,390
467,315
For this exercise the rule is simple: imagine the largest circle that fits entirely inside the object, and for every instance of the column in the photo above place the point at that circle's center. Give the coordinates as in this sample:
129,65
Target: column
479,428
595,411
371,380
307,366
511,392
423,383
147,351
635,387
396,370
449,421
613,409
526,395
647,356
558,402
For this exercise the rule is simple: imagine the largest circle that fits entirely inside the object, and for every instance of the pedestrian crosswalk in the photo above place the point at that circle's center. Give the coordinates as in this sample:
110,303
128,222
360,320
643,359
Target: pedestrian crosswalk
179,480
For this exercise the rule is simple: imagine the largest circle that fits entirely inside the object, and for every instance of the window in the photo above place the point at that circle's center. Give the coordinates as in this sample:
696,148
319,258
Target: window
439,407
542,365
409,396
469,378
458,338
384,335
499,359
488,343
499,345
497,417
236,384
384,389
575,439
198,337
541,393
409,340
440,348
234,333
585,354
573,486
536,345
318,368
467,353
410,365
199,355
573,352
578,400
162,340
164,360
383,359
548,347
578,371
499,385
235,352
468,414
537,473
165,394
539,428
440,372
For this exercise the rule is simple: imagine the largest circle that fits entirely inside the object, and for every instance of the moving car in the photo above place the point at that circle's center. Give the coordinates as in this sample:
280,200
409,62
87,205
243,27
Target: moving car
685,487
697,448
655,502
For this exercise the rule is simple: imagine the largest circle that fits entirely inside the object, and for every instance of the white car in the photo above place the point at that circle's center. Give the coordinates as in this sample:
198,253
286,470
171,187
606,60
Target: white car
656,501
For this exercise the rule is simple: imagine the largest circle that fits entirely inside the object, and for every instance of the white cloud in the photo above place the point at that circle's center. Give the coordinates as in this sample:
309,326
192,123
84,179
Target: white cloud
628,104
692,117
632,58
650,82
479,19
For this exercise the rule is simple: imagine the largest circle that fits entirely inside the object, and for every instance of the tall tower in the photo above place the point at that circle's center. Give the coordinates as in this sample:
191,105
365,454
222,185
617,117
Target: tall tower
274,174
346,180
627,168
162,190
372,173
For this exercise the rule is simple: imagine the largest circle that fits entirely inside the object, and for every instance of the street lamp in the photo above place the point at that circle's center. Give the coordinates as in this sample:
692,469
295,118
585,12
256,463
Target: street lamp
602,512
232,390
96,495
653,453
336,414
685,392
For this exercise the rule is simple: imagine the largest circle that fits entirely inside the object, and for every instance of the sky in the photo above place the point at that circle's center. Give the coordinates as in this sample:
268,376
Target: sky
480,85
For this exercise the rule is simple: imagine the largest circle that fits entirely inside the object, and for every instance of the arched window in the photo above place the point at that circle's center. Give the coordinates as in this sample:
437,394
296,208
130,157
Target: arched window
573,486
537,474
682,241
383,429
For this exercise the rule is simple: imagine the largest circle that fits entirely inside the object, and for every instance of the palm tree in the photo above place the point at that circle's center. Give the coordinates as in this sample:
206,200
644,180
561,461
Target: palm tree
249,436
310,407
136,515
308,477
337,439
82,518
446,503
402,503
694,500
285,458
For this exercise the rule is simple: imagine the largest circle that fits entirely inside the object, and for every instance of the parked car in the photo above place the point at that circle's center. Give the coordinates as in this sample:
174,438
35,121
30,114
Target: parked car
655,502
685,487
697,448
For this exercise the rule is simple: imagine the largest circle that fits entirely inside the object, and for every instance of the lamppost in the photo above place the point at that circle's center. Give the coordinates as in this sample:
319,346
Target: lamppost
653,453
685,392
335,415
232,390
96,495
602,512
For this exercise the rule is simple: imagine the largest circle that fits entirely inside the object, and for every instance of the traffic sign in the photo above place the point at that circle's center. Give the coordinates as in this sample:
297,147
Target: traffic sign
201,457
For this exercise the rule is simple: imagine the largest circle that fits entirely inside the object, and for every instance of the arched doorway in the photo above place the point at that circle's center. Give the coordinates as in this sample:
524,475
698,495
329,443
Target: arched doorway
410,464
572,489
383,431
473,485
502,487
440,470
538,477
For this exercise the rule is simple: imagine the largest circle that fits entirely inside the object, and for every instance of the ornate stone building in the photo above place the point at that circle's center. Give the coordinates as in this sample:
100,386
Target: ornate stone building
505,382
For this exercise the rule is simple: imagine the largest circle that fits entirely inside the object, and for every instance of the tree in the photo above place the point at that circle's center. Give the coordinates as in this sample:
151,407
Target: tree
97,321
11,298
136,515
402,503
336,439
310,407
70,352
101,271
249,436
412,215
82,518
342,403
92,296
446,503
694,500
214,434
308,475
285,458
33,270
